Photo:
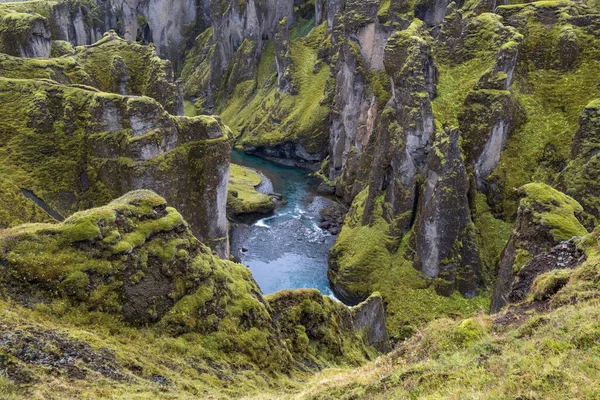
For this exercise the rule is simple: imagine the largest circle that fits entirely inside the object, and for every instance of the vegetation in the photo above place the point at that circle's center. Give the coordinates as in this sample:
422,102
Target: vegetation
242,197
101,296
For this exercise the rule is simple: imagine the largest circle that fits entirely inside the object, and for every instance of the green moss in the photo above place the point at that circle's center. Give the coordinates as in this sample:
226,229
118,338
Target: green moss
16,208
189,109
356,268
242,197
557,212
269,117
144,229
410,297
552,98
492,236
454,83
317,329
549,283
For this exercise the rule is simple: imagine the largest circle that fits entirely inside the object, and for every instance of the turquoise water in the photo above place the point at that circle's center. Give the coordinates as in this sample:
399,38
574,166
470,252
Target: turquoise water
287,250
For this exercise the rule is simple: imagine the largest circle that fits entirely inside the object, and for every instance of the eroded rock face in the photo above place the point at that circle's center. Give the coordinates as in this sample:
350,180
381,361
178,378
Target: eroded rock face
546,218
24,35
137,259
491,113
83,23
104,145
282,58
369,318
580,177
305,316
444,233
566,255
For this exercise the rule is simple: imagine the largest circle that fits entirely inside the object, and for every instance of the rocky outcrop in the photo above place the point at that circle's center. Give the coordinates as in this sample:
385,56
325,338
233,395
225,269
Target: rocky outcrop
432,12
111,65
283,58
135,257
305,316
332,217
491,113
24,35
566,255
361,40
546,218
163,23
444,234
104,145
580,177
137,260
369,319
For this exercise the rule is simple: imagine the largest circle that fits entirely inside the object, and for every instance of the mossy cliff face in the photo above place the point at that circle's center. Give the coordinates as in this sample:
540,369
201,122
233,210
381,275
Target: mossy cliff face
74,146
24,35
258,69
135,257
133,269
110,65
579,178
30,29
415,109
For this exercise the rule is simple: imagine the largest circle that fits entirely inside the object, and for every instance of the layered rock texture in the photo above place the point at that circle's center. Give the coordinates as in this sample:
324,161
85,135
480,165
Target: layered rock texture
34,28
460,137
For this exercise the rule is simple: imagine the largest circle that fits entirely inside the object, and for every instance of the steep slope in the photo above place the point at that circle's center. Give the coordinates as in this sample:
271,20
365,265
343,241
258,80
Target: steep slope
102,297
72,145
545,346
428,125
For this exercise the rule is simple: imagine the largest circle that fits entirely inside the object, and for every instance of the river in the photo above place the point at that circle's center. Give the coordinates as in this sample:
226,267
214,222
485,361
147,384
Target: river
286,250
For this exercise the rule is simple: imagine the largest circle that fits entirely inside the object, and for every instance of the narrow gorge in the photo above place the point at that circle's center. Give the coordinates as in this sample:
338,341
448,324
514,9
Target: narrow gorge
307,199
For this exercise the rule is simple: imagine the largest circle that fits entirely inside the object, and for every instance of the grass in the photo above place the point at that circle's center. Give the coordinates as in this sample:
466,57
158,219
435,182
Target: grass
260,115
242,197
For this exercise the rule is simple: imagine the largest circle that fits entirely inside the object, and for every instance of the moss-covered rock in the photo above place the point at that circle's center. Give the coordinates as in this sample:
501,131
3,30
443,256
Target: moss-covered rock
317,329
242,196
546,217
75,147
110,65
24,35
135,265
579,179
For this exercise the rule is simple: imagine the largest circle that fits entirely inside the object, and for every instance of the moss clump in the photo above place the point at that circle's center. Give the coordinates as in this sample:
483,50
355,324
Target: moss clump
242,197
554,210
317,329
549,283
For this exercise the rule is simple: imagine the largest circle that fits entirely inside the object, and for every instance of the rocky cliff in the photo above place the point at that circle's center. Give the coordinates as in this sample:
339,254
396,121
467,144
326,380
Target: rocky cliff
429,115
72,143
31,29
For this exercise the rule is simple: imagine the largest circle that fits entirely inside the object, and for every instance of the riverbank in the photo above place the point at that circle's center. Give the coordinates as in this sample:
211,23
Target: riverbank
288,249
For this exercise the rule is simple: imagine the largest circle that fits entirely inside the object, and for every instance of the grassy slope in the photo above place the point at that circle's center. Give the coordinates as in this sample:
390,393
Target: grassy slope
553,101
269,117
550,355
